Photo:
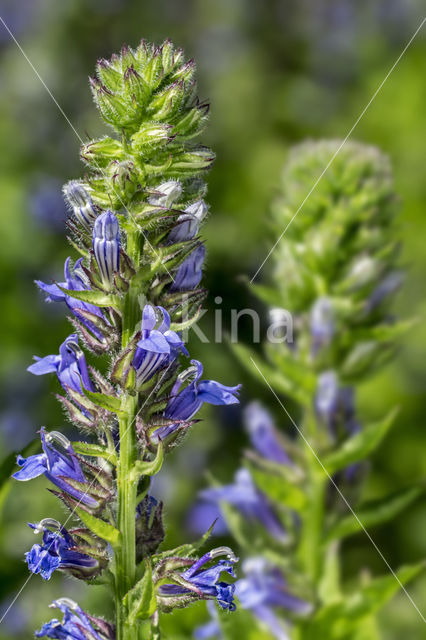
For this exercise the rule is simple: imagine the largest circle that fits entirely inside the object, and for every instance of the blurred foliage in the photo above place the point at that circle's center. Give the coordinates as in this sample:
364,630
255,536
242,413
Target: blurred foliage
276,72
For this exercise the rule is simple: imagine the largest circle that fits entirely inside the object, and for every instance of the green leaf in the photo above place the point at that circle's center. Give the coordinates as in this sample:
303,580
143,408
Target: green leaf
268,295
279,489
101,528
98,298
360,445
374,512
269,375
329,585
141,601
349,618
111,403
186,550
94,450
150,468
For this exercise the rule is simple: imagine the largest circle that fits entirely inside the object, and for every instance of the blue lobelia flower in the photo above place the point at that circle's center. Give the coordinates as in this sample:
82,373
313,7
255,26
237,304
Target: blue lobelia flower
75,280
327,398
322,324
188,223
70,366
263,434
212,628
75,625
58,467
205,583
252,503
106,245
262,589
190,272
158,346
335,405
58,551
185,403
81,203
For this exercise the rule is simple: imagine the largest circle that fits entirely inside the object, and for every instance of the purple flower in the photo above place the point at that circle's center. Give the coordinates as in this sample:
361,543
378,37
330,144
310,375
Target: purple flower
252,503
57,551
387,287
75,280
75,625
70,366
190,272
335,405
58,467
188,223
205,583
106,245
185,403
158,347
263,434
81,203
264,588
327,398
322,323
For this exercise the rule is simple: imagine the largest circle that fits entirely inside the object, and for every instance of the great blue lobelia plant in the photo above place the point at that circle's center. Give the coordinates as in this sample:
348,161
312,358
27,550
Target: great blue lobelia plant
299,495
134,221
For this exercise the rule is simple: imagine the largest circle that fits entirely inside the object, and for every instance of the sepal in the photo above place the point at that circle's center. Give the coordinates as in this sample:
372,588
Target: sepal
99,153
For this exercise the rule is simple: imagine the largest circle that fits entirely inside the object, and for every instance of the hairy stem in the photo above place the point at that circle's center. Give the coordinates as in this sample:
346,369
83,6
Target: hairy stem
126,491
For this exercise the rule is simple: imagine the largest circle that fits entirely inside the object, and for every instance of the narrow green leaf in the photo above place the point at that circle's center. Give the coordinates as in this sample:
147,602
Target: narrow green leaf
141,601
186,550
329,585
95,451
350,618
360,445
379,591
111,403
98,298
101,528
269,295
150,468
278,381
374,512
278,489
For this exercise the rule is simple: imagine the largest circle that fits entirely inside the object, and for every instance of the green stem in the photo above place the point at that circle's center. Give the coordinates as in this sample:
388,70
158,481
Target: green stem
311,547
126,491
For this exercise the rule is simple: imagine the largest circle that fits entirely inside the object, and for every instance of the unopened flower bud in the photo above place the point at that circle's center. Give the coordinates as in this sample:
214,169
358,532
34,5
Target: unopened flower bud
106,245
322,323
81,203
188,223
167,193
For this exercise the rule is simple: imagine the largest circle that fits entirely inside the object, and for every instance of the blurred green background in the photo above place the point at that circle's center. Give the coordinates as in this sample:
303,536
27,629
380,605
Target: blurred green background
275,72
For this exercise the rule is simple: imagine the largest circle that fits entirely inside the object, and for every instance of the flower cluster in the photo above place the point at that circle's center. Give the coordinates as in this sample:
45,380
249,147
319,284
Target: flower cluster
135,220
336,271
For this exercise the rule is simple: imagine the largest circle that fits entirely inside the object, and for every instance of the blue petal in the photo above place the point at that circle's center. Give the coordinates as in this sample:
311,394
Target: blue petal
54,294
48,364
155,342
149,318
215,393
32,467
